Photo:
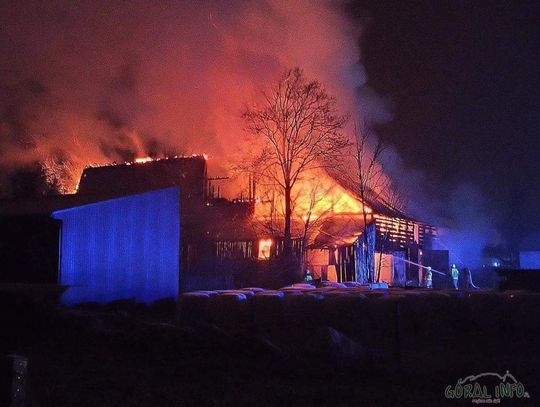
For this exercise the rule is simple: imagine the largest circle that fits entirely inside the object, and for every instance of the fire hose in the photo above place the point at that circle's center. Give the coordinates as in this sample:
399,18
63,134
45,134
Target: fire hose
434,271
420,265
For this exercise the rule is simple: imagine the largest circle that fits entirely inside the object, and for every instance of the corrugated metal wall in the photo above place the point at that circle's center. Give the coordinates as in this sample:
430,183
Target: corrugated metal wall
122,248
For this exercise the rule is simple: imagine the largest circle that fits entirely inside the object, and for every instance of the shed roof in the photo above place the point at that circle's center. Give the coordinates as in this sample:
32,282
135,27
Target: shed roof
129,178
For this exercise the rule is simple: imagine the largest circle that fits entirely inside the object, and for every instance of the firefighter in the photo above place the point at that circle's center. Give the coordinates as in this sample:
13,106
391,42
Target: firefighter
428,279
454,273
308,277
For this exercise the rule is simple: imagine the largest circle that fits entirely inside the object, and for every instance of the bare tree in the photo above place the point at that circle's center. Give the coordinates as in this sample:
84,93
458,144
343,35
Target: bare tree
309,211
300,129
368,180
373,186
312,215
395,197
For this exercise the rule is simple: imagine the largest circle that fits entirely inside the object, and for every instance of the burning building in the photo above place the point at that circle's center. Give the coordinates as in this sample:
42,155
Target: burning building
152,228
221,237
385,249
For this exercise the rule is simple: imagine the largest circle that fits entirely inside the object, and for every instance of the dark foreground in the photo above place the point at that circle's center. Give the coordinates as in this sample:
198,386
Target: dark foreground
310,350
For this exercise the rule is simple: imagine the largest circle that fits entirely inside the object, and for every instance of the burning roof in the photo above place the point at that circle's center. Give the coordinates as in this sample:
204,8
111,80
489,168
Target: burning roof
148,174
335,210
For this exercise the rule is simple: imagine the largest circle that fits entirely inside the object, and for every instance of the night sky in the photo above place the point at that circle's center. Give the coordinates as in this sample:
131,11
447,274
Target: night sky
462,80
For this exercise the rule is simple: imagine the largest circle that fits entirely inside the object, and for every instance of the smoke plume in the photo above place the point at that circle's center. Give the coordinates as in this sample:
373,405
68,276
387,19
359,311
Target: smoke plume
95,82
467,222
103,81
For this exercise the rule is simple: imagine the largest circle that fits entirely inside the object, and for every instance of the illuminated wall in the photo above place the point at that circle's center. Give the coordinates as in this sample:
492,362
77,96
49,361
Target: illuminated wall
121,248
529,260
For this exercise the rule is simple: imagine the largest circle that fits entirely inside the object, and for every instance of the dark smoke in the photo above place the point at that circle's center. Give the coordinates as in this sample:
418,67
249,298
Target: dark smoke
467,221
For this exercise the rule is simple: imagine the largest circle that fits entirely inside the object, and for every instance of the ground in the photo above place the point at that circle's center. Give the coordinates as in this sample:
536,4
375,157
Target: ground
130,355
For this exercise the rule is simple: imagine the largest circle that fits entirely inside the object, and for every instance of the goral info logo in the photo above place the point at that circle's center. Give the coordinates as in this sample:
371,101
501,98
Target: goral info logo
487,388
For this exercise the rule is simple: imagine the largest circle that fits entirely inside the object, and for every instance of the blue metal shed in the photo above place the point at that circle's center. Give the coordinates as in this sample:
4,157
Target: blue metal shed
121,248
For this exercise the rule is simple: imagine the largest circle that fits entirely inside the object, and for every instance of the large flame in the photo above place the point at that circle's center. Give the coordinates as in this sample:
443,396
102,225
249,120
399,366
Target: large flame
137,100
314,197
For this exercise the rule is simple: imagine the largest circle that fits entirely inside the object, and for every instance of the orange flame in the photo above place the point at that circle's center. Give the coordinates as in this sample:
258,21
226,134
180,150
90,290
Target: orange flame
314,197
265,246
143,160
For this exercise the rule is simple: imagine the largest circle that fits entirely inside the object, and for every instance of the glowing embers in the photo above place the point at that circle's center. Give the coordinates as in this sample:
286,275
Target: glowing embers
265,247
147,159
143,160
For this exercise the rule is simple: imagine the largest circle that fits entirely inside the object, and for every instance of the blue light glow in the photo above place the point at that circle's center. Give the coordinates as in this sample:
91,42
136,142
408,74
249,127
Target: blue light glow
122,248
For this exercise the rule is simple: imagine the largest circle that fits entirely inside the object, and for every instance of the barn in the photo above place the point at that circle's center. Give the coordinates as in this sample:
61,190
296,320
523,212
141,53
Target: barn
149,230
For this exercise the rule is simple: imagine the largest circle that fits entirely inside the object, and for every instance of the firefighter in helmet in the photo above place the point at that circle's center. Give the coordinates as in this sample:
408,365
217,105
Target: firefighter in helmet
428,281
454,273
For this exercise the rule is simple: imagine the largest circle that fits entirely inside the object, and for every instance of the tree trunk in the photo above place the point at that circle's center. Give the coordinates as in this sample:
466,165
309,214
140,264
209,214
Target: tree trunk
287,238
368,277
303,248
